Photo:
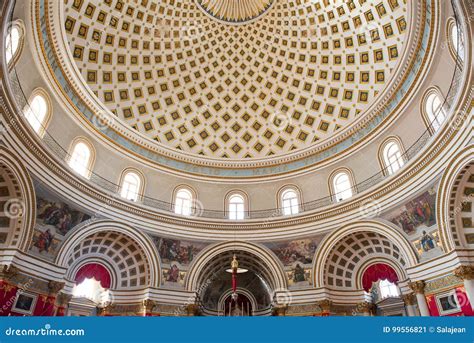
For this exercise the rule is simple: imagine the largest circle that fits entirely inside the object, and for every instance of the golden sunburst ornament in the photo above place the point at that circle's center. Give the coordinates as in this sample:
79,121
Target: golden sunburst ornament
235,11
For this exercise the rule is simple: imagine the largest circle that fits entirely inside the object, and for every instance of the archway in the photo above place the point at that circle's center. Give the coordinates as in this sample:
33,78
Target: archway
19,202
350,249
453,202
127,253
210,279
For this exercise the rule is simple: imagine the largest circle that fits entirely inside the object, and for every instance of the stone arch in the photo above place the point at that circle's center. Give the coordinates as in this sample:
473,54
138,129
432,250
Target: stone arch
355,246
19,203
128,253
449,202
269,263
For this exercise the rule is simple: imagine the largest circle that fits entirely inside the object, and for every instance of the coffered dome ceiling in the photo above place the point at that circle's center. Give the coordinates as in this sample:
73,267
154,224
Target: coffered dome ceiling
281,82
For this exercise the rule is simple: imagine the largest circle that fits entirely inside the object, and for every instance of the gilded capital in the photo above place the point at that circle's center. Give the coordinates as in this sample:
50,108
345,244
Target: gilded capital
409,299
149,305
365,307
63,299
105,310
418,287
464,272
192,309
54,287
8,271
325,305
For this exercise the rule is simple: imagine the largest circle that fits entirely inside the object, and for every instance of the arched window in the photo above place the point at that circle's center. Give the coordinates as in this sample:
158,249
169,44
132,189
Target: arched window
183,203
37,112
388,289
81,158
236,207
131,186
434,110
342,186
13,42
289,202
392,157
92,290
456,39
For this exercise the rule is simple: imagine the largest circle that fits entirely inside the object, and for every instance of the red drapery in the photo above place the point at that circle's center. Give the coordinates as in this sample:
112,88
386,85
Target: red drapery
94,270
376,272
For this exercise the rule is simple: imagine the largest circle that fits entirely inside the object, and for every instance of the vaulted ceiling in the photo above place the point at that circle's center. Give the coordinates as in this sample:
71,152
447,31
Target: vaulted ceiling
282,82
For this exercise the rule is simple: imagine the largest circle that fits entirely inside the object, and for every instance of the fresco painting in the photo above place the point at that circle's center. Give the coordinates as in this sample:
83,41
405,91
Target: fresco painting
54,219
301,251
417,219
415,214
182,252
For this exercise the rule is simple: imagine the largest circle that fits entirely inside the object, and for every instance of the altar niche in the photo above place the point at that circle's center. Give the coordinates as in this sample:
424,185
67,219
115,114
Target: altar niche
242,306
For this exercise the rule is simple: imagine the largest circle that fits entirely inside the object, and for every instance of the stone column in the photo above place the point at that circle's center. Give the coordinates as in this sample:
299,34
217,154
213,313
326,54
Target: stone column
365,308
325,306
418,288
466,273
409,300
148,306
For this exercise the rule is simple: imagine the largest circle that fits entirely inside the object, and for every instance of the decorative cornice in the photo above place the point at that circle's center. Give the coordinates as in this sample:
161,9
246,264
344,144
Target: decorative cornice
418,287
465,272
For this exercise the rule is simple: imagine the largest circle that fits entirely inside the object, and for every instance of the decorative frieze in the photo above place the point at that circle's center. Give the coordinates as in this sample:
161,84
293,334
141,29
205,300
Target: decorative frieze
464,272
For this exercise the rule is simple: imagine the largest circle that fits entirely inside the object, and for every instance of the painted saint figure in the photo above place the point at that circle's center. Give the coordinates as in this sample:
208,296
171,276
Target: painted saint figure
427,241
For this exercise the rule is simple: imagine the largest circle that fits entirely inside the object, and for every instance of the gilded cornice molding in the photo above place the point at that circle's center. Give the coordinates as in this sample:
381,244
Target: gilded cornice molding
464,272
